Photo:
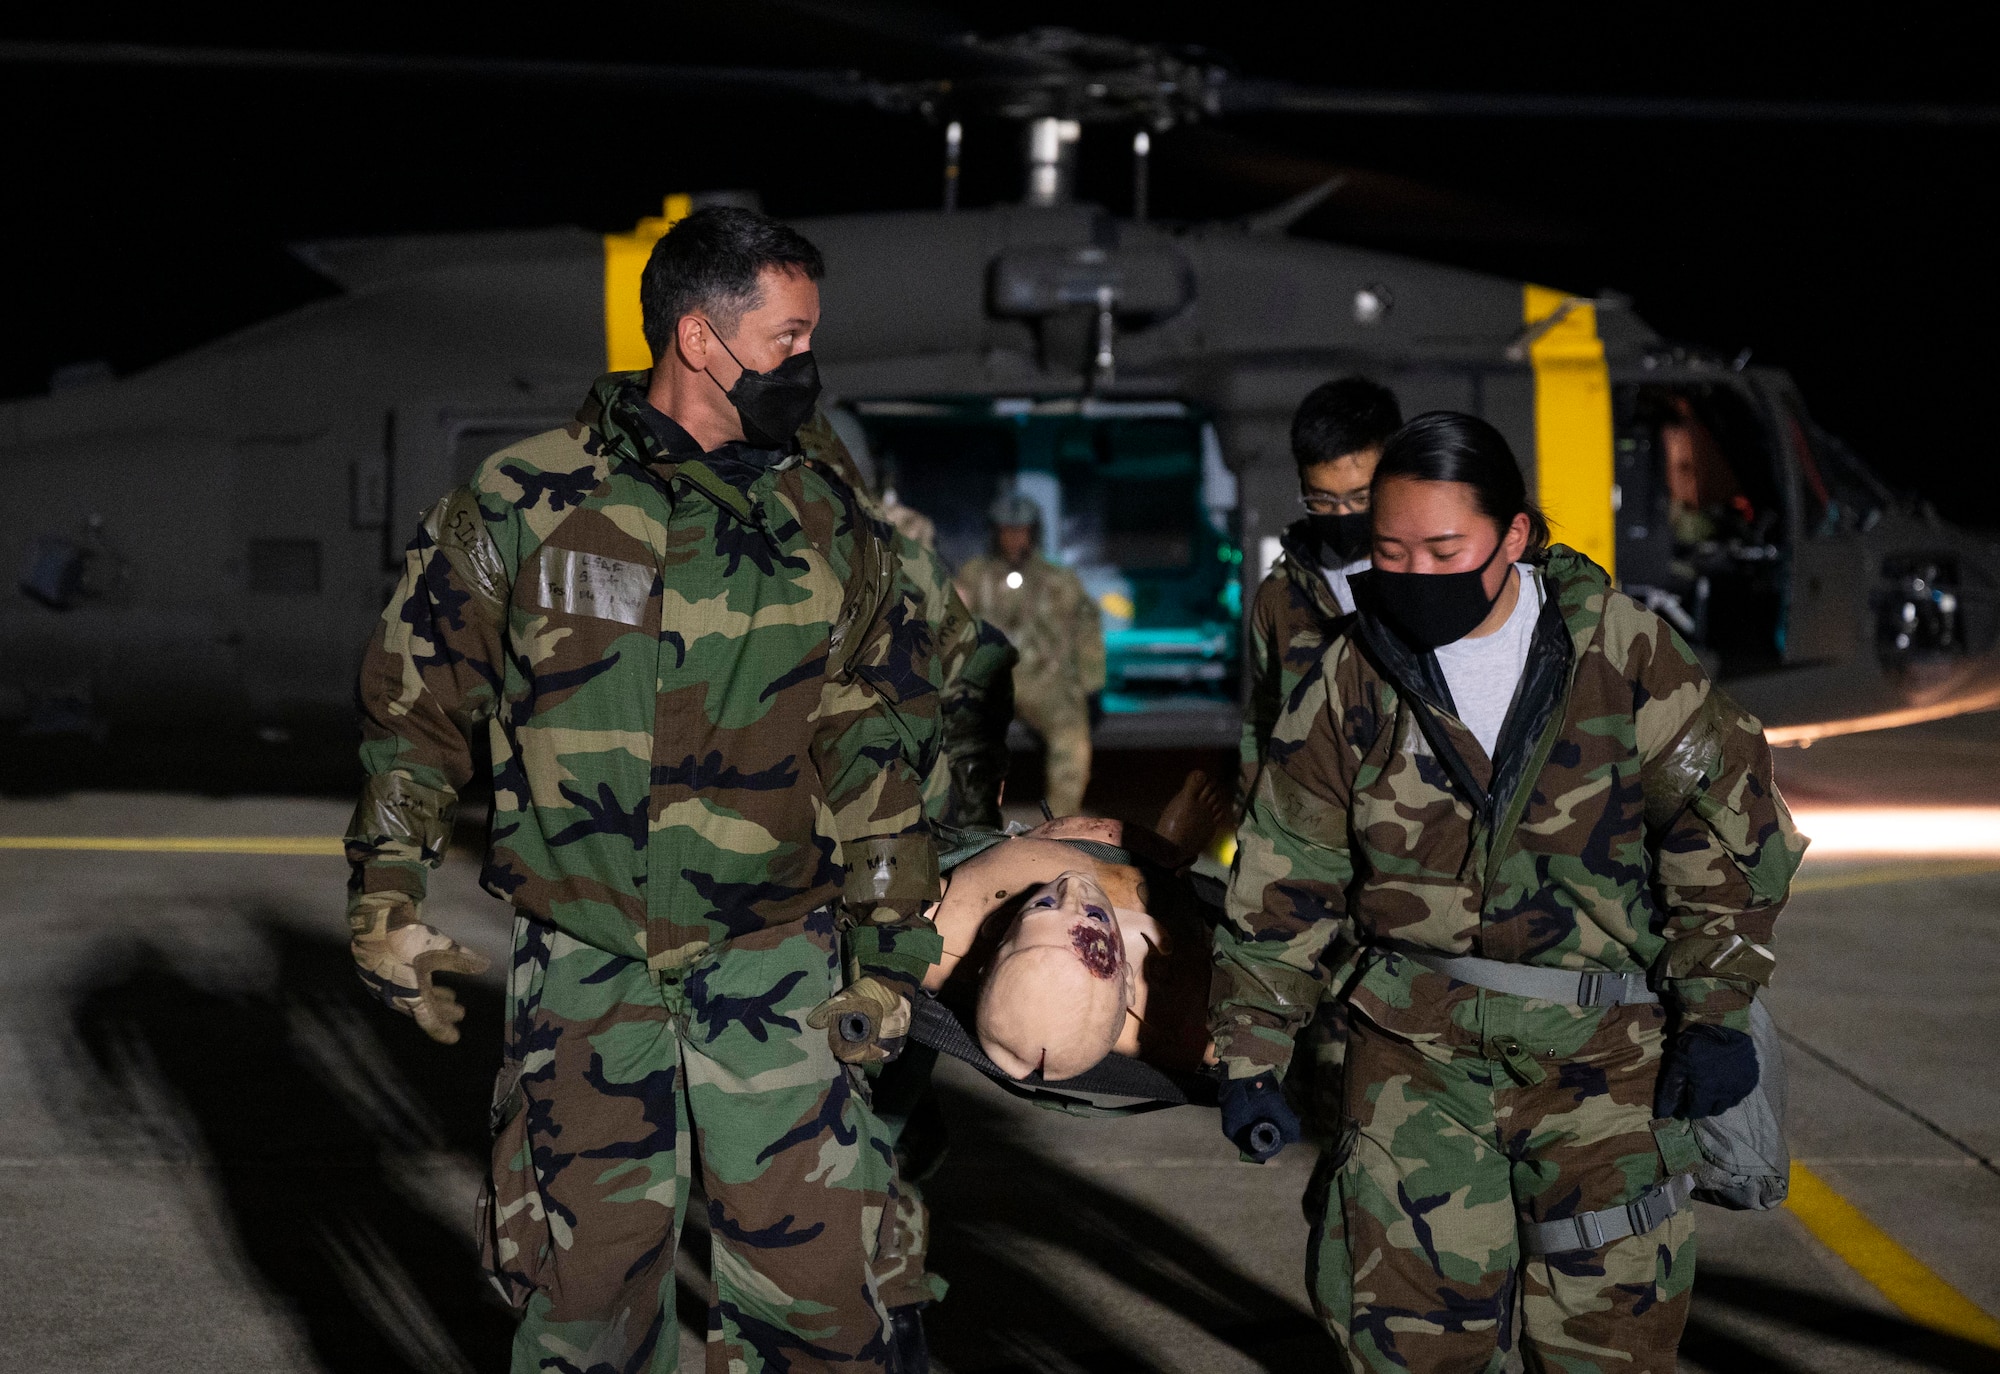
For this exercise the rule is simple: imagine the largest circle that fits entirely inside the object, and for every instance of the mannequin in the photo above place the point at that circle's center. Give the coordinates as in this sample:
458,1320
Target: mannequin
1067,953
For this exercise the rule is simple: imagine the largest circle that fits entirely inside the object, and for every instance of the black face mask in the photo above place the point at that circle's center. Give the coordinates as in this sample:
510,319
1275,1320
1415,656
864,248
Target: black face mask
1430,609
1349,536
772,405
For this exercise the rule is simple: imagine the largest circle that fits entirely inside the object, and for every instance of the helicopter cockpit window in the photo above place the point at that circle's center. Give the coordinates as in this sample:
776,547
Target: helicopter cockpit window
1721,483
1840,492
1702,519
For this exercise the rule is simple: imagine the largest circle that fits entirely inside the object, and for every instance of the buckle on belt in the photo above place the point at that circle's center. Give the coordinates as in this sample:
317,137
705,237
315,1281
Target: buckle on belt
1590,1229
1638,1213
1603,989
1657,1203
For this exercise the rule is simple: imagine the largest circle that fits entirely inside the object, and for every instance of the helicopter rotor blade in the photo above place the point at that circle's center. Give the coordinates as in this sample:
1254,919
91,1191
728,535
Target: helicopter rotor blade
937,44
1356,202
840,87
1257,95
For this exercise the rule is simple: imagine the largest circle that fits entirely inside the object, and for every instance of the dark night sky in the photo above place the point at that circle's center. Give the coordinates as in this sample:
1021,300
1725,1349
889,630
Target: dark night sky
149,210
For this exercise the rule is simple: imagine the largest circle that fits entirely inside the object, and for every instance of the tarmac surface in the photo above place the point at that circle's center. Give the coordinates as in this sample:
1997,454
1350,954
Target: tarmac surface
218,1155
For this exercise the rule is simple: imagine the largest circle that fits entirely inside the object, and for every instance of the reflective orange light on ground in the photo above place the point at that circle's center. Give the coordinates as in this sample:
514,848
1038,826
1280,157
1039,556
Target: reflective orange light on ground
1917,830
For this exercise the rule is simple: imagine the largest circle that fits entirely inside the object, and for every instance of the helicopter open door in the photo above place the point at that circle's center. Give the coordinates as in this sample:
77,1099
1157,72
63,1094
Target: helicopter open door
1134,496
1706,524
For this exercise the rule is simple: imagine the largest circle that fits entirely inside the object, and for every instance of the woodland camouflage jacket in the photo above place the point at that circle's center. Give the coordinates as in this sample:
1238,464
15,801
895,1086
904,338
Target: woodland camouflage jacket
1631,824
1292,619
711,706
975,660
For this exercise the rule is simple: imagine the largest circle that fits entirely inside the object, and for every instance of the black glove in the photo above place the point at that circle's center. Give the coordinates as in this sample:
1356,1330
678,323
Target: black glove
1705,1070
1256,1117
1094,705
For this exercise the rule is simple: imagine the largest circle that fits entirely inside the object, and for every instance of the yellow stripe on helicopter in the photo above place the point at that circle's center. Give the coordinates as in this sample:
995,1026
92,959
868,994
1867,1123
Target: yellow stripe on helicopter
625,257
1573,463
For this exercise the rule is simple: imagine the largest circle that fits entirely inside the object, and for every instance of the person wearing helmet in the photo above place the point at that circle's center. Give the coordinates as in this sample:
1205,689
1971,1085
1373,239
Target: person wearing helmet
1042,608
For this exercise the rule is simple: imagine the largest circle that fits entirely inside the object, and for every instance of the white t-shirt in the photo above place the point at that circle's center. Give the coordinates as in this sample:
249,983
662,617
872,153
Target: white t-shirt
1483,673
1336,578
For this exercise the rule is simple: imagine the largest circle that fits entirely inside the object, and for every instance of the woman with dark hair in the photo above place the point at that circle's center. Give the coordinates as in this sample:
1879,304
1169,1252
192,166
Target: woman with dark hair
1560,852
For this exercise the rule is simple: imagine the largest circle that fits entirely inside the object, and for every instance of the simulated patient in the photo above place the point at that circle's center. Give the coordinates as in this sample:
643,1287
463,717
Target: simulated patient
1081,938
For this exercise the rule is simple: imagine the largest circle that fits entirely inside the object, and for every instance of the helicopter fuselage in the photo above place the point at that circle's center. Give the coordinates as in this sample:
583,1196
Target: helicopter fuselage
218,533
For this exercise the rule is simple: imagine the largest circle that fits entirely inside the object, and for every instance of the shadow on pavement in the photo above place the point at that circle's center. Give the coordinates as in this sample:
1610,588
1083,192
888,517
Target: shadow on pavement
224,759
314,1113
341,1141
1827,1318
1014,1229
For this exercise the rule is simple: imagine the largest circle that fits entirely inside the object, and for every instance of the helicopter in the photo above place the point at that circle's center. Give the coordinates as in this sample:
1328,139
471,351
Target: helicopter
248,501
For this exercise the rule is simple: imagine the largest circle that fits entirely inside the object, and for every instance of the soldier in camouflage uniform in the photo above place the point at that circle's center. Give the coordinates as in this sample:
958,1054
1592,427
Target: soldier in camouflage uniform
1292,620
1337,437
1624,826
975,658
1044,612
711,704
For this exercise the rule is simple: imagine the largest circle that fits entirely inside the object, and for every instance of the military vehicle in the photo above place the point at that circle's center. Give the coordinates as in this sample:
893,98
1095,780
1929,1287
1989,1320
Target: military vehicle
213,537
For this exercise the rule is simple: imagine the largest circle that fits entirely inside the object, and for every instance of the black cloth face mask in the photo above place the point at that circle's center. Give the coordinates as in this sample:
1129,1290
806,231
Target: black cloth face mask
772,405
1347,535
1430,609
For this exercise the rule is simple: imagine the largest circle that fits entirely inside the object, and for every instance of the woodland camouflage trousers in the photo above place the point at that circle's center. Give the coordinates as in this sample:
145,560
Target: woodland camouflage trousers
627,1085
1415,1263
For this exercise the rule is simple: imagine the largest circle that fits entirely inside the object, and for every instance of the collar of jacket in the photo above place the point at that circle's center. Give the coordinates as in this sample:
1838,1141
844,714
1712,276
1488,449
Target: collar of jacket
1303,566
653,443
1573,591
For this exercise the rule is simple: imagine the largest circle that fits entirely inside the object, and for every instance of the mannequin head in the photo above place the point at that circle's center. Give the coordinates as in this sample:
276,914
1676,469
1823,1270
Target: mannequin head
1060,985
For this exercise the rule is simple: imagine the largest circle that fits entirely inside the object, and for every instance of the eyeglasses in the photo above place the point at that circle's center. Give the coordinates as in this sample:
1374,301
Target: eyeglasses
1354,503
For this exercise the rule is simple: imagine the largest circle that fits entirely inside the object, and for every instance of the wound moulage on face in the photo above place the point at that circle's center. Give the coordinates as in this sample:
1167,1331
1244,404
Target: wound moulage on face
1032,968
1055,996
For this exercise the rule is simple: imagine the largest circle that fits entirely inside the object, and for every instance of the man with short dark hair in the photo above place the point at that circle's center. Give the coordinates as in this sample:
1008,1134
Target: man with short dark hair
1337,437
711,703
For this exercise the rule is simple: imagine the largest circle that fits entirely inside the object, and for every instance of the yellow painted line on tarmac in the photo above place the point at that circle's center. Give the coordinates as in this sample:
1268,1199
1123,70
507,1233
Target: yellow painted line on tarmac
1894,873
313,846
1894,1272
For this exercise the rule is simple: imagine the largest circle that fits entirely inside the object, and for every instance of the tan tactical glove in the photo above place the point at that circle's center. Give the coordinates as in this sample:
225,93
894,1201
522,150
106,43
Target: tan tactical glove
865,1023
398,956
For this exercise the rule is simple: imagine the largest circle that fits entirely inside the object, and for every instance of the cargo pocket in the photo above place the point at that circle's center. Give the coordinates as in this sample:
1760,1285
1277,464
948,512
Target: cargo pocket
1680,1153
902,1253
509,1219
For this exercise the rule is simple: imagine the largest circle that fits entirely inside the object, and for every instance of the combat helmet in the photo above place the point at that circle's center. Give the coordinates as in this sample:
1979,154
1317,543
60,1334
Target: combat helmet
1012,508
